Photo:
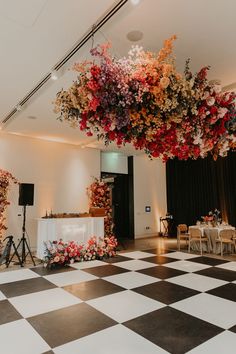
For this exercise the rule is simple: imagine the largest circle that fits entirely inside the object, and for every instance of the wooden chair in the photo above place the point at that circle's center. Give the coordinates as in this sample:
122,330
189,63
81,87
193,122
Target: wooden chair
195,235
226,237
182,234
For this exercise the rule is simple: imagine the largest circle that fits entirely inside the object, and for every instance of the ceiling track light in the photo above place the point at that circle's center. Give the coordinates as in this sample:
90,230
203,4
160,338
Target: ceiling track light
100,23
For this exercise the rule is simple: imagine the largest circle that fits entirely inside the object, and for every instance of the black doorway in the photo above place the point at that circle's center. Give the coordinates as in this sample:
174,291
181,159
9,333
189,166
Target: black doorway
122,201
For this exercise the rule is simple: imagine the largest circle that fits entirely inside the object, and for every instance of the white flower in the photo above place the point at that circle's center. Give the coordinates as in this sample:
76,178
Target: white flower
206,94
217,88
222,111
210,101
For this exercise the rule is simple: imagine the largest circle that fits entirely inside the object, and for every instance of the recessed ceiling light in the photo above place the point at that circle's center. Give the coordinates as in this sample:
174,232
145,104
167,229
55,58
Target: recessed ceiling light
135,2
134,36
32,117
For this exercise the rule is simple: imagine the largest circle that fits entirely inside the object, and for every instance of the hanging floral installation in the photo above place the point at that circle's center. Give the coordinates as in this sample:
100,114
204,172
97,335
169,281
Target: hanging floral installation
99,194
144,101
6,179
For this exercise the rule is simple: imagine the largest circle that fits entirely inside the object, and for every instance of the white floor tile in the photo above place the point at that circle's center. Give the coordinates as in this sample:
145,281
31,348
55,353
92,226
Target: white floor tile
114,340
88,264
186,266
15,275
43,301
135,264
2,296
180,255
197,281
125,305
67,278
136,254
213,309
131,280
228,266
225,342
19,337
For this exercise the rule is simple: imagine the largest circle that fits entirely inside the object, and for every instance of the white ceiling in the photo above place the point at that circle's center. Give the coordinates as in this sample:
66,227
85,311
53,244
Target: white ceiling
36,34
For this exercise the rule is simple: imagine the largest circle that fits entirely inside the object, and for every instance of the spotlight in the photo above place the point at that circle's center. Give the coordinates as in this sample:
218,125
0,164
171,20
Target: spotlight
54,75
19,108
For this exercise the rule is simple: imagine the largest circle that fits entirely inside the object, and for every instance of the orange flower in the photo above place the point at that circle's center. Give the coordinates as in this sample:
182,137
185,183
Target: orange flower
164,82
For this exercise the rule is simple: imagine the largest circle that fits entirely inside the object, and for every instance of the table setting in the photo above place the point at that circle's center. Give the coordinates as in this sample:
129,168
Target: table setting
211,225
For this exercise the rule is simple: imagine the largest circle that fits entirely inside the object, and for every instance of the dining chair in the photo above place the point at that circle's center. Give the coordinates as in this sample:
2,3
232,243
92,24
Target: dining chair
226,237
182,234
195,236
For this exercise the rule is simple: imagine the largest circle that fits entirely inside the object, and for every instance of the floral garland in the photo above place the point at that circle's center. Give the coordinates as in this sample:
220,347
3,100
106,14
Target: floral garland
143,100
100,196
63,253
6,178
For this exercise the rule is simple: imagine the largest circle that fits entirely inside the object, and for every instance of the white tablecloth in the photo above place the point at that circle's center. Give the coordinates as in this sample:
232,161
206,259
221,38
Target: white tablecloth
68,229
212,234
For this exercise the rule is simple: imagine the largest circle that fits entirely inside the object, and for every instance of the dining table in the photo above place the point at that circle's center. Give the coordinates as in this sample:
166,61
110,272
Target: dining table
212,233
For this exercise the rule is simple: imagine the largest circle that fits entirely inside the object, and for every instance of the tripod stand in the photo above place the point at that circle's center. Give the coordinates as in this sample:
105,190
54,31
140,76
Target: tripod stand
23,242
7,252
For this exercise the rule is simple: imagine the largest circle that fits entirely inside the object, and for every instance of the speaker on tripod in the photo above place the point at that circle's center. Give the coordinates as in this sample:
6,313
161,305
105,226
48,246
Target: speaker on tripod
26,197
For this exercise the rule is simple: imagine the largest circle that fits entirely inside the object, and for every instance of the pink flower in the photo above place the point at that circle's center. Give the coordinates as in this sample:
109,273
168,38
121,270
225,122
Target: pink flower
56,259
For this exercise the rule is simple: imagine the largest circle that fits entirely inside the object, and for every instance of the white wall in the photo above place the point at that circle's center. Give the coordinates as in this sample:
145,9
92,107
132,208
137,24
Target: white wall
61,173
149,190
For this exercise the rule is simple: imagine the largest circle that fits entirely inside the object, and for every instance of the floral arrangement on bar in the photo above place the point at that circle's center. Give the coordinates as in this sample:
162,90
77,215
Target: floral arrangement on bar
6,178
64,253
212,217
99,194
144,101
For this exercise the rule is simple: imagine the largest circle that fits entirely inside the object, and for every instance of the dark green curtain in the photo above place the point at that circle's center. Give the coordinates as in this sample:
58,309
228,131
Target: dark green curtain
196,187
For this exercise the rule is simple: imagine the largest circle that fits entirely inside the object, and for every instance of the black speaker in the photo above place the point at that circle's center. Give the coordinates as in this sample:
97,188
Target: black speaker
26,194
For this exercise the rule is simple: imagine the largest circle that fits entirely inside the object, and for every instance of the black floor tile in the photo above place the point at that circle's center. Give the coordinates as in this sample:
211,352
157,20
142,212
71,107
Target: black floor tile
50,352
208,260
159,259
233,329
27,286
105,270
173,330
116,259
218,273
165,292
227,291
158,251
93,289
8,312
62,326
161,272
45,271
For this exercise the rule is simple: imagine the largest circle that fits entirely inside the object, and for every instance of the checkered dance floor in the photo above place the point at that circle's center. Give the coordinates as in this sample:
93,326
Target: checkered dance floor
136,303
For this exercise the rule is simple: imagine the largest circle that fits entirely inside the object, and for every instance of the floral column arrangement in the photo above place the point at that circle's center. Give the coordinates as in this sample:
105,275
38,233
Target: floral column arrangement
6,178
100,196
